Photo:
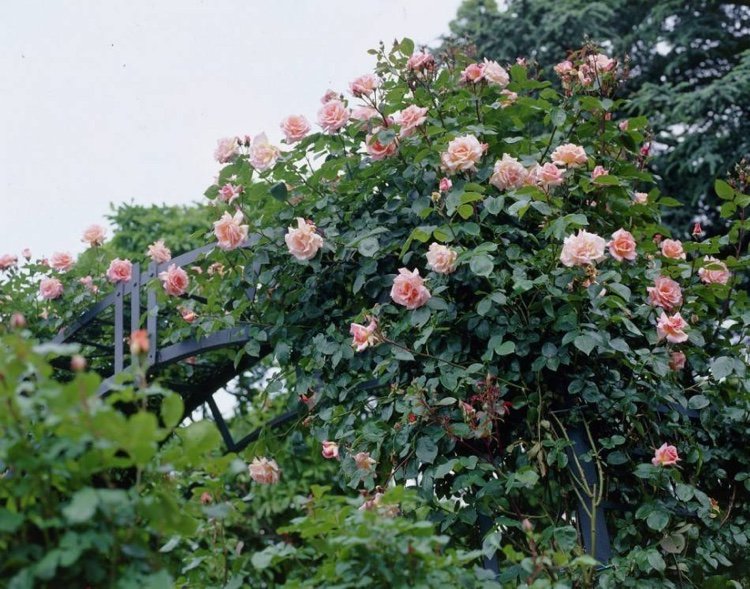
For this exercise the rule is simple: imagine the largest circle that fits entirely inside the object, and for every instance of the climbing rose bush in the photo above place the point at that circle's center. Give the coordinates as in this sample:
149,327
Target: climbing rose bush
462,277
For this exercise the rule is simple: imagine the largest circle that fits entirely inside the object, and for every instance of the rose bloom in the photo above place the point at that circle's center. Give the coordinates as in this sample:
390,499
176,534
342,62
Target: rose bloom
158,252
187,314
697,230
445,184
364,336
714,275
332,116
665,293
364,461
61,261
672,248
364,85
677,361
570,155
8,261
495,74
379,151
330,450
302,241
229,231
94,235
665,455
601,62
623,125
441,259
582,249
119,270
473,73
88,284
599,171
507,98
463,154
229,192
409,290
26,253
622,246
295,127
640,198
549,175
328,96
264,471
17,321
263,155
672,327
364,113
508,173
50,288
174,280
78,363
410,118
420,61
564,68
226,149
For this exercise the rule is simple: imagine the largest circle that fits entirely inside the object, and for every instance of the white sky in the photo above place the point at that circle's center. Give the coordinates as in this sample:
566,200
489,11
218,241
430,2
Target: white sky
123,100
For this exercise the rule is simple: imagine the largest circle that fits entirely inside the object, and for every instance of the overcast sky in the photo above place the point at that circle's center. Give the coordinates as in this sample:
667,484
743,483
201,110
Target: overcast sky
119,101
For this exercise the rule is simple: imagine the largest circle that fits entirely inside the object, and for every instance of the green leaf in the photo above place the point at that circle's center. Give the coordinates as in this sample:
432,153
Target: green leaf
657,520
656,561
585,343
505,348
82,506
368,247
722,367
481,265
406,47
698,402
465,211
9,521
426,449
673,544
172,409
279,191
723,190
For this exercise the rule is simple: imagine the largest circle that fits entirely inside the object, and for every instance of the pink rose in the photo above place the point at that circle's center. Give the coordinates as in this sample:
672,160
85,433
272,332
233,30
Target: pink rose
622,246
640,198
665,293
174,280
420,61
665,455
302,241
88,284
330,450
119,270
409,289
508,173
364,461
50,288
364,85
672,248
623,125
364,113
565,69
26,253
507,98
78,363
601,62
187,314
17,321
364,336
473,73
599,171
264,471
410,118
332,116
582,249
570,155
716,272
158,252
229,192
697,230
672,327
463,154
495,74
441,259
377,150
328,96
445,184
61,261
549,175
226,149
295,128
230,232
263,155
94,235
8,261
677,361
139,342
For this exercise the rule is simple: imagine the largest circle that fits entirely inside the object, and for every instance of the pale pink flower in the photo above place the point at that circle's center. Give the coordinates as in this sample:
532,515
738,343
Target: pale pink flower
174,280
302,241
8,261
94,235
226,149
601,62
50,288
599,171
473,73
665,455
586,74
364,113
229,192
364,85
330,450
17,321
373,503
78,363
622,246
158,252
665,293
623,125
230,232
26,253
570,155
187,314
582,249
507,98
445,184
677,361
716,272
549,175
333,115
295,128
119,270
463,154
441,259
508,173
378,150
565,69
62,261
364,461
672,248
264,471
410,118
88,284
409,289
139,342
328,96
263,155
672,327
495,74
364,336
640,198
421,61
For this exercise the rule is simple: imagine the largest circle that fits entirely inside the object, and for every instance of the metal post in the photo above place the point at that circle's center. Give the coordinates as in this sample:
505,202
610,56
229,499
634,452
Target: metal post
152,316
119,327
